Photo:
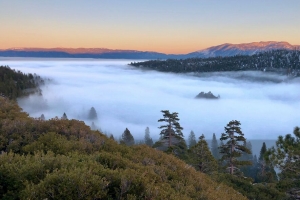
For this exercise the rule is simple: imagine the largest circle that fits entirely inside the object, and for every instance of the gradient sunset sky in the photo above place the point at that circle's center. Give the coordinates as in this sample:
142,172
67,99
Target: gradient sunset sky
169,26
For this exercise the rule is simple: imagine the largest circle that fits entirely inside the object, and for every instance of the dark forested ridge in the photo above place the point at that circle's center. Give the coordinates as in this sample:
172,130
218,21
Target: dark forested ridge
15,84
281,61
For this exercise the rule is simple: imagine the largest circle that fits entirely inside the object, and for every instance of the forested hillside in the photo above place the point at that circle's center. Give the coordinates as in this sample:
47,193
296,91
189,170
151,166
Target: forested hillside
14,83
64,159
280,61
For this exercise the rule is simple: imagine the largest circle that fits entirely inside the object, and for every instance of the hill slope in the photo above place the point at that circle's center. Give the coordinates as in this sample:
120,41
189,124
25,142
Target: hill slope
64,159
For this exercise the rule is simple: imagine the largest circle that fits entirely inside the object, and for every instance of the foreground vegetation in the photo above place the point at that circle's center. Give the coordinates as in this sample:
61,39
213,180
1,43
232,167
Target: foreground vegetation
64,159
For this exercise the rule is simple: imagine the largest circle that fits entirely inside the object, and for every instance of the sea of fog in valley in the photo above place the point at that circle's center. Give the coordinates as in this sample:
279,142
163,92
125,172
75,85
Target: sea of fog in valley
127,97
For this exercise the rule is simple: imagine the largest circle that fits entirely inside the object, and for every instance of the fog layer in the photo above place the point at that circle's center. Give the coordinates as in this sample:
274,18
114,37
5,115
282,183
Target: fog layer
128,97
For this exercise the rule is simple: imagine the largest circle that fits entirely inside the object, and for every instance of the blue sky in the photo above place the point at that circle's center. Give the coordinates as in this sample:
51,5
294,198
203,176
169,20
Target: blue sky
170,26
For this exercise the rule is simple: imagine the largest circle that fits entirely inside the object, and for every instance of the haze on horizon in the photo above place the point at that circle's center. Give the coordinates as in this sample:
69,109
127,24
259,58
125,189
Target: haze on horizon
168,26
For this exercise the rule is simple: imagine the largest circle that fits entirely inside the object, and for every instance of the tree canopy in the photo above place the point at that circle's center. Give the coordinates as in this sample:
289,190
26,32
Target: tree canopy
286,156
203,159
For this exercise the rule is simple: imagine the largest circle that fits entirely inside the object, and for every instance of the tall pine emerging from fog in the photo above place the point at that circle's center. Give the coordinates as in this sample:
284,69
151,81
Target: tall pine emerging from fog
215,147
172,127
148,139
127,138
192,139
234,147
202,158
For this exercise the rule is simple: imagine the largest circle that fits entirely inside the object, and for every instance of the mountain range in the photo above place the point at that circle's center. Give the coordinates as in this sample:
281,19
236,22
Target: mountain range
242,49
214,51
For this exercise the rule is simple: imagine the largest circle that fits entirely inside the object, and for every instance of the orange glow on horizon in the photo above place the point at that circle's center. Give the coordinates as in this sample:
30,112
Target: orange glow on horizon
167,49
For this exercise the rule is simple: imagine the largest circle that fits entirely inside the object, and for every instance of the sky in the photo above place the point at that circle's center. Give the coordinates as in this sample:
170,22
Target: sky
167,26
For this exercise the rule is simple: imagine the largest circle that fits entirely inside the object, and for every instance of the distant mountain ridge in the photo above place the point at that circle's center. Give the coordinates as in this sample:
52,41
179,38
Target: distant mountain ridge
242,49
72,50
214,51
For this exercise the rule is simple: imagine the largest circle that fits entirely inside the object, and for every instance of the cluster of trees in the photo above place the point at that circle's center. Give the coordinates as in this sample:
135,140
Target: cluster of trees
91,115
286,157
230,161
283,61
14,83
128,139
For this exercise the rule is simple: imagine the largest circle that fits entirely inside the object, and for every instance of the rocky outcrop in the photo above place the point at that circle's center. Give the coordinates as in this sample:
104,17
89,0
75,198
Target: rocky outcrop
208,95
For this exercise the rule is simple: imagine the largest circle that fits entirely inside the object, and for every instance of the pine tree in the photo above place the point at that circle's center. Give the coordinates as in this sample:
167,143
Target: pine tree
286,157
262,152
192,139
220,145
249,146
215,147
92,114
127,138
255,161
254,169
64,116
261,164
266,173
148,139
42,117
112,137
233,148
202,157
248,170
246,156
172,128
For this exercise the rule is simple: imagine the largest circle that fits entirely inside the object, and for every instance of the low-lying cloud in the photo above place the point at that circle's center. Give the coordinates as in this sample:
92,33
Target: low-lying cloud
128,97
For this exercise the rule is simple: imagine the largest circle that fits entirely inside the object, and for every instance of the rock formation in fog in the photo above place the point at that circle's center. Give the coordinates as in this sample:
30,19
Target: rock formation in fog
208,95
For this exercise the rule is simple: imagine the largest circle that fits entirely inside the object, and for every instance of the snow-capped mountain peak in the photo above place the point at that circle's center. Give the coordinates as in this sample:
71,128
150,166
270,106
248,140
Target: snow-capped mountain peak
228,49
